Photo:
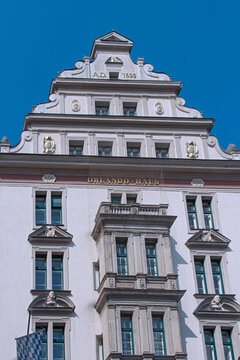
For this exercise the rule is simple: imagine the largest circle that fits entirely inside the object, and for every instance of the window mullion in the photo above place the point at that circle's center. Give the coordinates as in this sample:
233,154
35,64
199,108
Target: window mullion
48,208
49,270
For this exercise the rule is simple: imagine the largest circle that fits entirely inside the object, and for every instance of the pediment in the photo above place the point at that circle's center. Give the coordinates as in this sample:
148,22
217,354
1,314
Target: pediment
51,303
111,41
218,305
208,238
50,234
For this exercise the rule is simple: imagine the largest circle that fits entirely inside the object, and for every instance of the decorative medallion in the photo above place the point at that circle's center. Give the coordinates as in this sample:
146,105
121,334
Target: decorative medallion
50,231
159,109
75,106
206,236
197,182
48,145
48,178
192,149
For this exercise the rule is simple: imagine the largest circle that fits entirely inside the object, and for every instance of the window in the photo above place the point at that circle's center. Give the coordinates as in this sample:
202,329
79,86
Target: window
48,208
127,335
210,344
102,108
116,199
133,150
44,340
129,109
207,212
57,272
53,341
122,260
192,214
40,211
162,150
41,271
75,148
200,275
217,276
50,270
158,335
113,75
151,256
104,149
227,344
58,343
131,198
56,209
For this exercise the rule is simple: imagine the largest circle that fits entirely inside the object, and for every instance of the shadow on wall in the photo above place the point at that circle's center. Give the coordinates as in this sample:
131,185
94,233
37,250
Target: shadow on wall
185,330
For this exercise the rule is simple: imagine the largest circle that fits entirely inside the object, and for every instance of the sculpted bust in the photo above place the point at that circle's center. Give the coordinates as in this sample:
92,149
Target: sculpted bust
51,299
216,303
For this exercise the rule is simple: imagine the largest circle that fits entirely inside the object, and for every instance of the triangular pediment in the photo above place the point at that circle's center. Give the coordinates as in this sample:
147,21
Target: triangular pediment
112,41
50,234
208,238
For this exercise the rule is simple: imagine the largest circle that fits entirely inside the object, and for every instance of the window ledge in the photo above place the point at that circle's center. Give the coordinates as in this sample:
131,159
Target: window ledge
57,292
204,296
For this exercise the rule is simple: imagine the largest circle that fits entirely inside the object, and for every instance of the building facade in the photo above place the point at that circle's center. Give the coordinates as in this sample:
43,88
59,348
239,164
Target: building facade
120,218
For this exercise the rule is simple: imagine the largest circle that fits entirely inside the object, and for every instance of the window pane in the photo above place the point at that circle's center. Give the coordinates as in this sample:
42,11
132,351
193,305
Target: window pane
102,110
58,343
200,276
227,345
44,341
116,199
151,259
129,111
192,214
133,151
41,272
127,335
131,199
122,263
40,210
161,152
207,211
56,209
217,276
210,344
105,150
57,272
158,335
76,149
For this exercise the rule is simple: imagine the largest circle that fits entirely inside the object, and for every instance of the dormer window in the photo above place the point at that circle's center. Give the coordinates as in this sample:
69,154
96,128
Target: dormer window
105,149
133,149
102,108
162,151
129,109
75,147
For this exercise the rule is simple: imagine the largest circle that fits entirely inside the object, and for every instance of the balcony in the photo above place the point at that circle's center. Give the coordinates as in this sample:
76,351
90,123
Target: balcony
117,356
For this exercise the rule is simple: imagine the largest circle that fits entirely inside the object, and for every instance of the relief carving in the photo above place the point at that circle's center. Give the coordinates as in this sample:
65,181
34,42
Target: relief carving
192,149
48,145
51,299
159,109
216,303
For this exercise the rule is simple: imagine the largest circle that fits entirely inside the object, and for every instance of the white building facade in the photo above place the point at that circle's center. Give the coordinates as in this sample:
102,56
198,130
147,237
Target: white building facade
120,219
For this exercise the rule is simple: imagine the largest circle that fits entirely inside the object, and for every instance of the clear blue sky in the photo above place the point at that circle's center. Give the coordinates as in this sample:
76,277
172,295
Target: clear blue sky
197,42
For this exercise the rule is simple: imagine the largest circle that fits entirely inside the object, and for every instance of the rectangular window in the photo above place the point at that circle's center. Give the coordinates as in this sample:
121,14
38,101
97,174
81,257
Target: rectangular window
158,335
131,198
75,148
151,256
57,272
207,212
133,150
129,109
127,335
116,199
44,355
41,271
227,345
217,276
104,149
122,260
40,210
210,344
102,108
200,274
58,343
192,214
162,150
113,75
56,209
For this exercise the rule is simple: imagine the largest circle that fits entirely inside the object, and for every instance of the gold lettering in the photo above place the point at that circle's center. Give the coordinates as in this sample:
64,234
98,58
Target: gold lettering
95,180
90,179
95,74
114,181
138,181
102,75
145,182
150,181
156,182
126,181
108,181
119,180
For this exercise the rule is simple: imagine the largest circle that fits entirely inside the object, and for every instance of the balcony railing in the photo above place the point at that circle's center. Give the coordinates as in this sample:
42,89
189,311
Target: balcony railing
135,209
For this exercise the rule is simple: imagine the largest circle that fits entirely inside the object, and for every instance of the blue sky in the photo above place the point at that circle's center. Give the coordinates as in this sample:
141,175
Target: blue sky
197,42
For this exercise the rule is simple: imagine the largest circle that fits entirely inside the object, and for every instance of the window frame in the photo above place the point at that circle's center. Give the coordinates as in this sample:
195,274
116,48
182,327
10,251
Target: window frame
105,144
122,241
202,272
133,145
129,105
150,242
75,144
102,105
48,193
192,212
204,200
219,272
50,252
127,330
210,343
160,330
162,146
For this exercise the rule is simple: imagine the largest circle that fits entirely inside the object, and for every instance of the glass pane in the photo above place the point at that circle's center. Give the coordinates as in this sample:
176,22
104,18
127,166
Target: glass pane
151,266
56,216
41,280
58,343
57,280
56,200
58,351
158,343
210,352
122,266
161,153
116,199
76,149
40,209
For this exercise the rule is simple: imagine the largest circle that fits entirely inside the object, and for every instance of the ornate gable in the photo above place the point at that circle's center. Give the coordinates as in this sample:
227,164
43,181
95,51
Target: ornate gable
111,41
208,239
50,234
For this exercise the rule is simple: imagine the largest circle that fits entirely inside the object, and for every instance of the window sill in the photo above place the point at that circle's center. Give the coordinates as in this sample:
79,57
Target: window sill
57,292
204,296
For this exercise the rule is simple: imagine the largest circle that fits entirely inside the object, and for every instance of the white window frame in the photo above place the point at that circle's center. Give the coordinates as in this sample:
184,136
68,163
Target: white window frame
207,256
80,140
48,193
51,321
49,251
199,196
218,325
124,194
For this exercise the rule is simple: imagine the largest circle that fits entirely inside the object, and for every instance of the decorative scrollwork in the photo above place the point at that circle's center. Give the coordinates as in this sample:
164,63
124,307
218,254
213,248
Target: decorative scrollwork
192,149
48,145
